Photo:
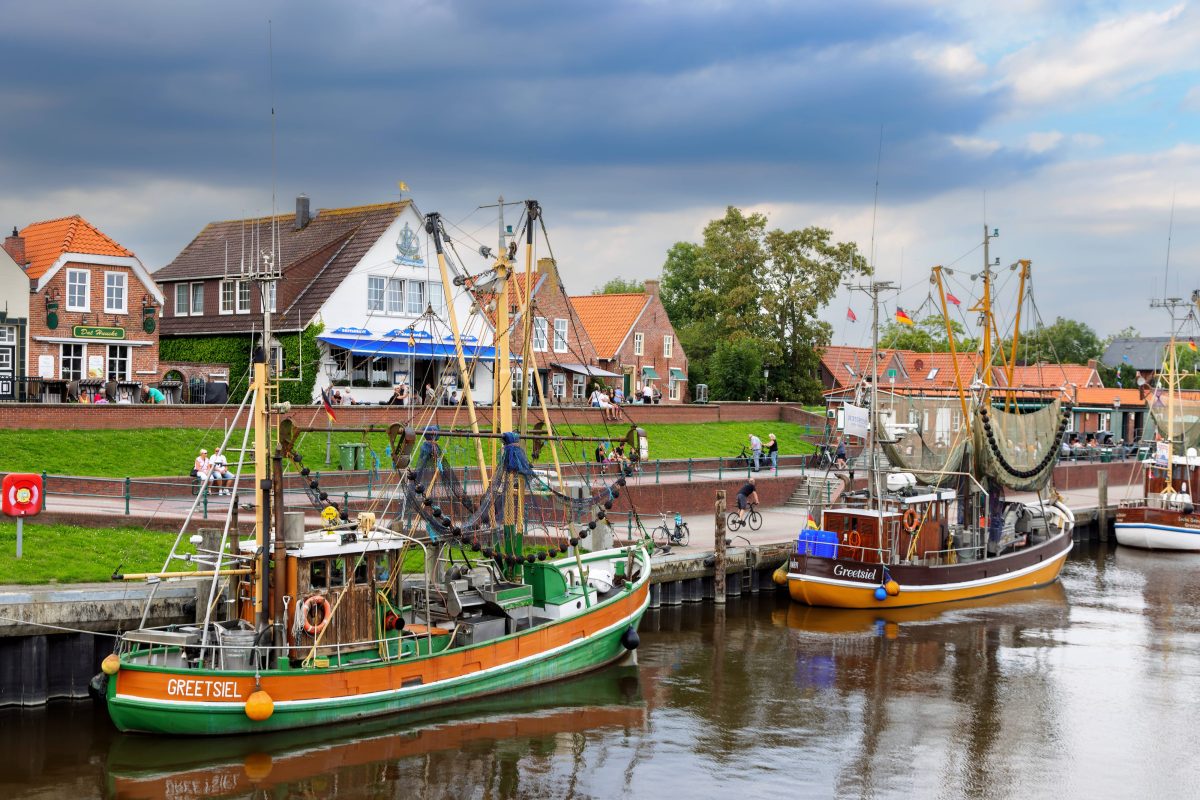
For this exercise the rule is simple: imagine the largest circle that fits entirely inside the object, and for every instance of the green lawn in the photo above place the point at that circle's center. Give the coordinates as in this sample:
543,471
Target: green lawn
71,554
163,451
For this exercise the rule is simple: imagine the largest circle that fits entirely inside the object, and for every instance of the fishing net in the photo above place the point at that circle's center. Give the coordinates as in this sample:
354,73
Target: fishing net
1183,423
1019,450
451,502
922,435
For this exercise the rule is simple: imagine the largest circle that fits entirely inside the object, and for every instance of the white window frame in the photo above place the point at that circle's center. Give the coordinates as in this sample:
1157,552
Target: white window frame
123,308
395,290
540,339
376,292
673,387
932,374
639,344
229,290
192,287
435,296
417,308
62,362
558,386
668,346
276,360
87,290
108,362
8,334
578,384
560,336
269,296
185,309
243,297
516,380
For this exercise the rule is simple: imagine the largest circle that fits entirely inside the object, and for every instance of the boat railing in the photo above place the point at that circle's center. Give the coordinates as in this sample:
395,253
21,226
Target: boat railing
951,555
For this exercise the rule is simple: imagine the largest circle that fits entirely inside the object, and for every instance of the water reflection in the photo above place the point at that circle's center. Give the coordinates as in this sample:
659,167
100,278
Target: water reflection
1084,689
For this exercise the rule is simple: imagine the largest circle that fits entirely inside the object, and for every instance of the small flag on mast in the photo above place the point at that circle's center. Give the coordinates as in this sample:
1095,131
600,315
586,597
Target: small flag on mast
328,406
952,300
850,315
1192,345
902,317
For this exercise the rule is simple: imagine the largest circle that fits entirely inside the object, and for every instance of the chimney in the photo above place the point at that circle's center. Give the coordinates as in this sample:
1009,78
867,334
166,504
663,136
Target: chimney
652,288
547,267
15,246
302,215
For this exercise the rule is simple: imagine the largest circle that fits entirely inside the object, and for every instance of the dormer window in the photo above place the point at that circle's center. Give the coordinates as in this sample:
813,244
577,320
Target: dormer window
849,369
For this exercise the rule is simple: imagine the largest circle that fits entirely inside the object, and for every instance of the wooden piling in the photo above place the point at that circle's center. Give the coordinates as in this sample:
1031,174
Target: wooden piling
1102,503
719,566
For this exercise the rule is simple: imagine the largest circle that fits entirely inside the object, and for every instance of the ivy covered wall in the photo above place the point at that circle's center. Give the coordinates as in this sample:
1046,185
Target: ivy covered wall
235,350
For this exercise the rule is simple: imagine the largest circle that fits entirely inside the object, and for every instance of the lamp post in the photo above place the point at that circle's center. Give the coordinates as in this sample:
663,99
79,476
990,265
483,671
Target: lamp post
766,374
1118,428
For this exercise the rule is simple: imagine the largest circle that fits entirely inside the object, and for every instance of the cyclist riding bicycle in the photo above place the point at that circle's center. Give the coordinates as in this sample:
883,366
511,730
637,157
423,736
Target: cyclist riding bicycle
746,497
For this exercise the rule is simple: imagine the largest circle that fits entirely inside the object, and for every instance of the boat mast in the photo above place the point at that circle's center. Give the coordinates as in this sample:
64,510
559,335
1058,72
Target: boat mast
266,277
873,289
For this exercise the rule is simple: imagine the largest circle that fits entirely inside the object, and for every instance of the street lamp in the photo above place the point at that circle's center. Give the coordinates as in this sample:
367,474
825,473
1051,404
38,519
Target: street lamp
766,374
1119,429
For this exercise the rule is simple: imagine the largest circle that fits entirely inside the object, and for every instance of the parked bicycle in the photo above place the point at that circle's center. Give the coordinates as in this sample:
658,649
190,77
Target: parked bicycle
753,519
664,536
822,458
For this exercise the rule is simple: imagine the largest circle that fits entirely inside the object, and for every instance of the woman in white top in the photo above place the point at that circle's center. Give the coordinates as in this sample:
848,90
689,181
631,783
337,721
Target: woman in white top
606,407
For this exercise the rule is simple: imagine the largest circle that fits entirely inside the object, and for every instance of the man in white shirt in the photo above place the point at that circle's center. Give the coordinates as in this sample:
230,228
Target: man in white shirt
219,470
756,451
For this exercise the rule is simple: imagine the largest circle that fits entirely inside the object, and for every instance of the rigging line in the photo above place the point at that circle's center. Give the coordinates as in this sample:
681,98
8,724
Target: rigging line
875,206
1170,231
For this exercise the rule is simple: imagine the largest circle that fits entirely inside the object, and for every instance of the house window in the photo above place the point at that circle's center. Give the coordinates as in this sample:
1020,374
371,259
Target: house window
560,336
437,299
375,293
558,386
114,293
8,334
228,296
639,344
577,386
932,374
673,388
78,289
183,302
668,346
416,297
516,381
539,334
277,359
268,289
243,298
117,368
849,369
71,362
395,296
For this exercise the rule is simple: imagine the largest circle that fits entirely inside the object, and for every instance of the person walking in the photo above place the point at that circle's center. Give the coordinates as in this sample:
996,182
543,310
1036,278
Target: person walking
648,393
840,458
756,451
773,451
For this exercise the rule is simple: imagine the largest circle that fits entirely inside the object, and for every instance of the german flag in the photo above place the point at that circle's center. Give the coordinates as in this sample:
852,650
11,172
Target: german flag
902,317
328,406
1192,345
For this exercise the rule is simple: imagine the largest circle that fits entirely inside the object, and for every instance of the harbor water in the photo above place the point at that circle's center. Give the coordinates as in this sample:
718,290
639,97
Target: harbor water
1084,689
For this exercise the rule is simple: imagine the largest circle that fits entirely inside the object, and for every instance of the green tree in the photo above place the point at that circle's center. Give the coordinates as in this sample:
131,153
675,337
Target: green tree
735,371
1065,342
621,286
928,335
744,282
1122,375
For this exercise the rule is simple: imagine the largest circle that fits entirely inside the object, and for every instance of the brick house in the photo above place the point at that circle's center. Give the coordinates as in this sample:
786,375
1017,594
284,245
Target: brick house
634,338
93,307
562,349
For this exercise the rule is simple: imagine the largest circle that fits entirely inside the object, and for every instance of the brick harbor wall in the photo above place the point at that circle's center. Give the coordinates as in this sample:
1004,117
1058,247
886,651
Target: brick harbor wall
23,416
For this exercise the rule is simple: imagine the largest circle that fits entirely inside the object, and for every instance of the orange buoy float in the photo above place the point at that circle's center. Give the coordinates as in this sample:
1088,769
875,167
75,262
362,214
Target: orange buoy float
892,588
111,664
912,520
311,602
259,706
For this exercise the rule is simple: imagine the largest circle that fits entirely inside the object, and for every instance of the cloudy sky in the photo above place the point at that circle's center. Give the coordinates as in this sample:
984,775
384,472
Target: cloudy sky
1071,127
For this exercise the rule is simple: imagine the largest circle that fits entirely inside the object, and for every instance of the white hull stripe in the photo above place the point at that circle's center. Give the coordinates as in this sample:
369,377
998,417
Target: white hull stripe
1133,526
935,587
355,699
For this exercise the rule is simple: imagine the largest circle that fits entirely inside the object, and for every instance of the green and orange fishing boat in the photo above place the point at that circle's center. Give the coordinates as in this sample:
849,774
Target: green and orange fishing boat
429,598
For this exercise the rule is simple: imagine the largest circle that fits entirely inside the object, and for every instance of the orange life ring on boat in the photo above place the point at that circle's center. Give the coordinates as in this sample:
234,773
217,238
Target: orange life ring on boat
315,600
854,539
912,520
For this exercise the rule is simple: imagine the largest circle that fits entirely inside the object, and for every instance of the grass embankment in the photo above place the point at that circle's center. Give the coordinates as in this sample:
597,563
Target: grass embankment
71,554
166,451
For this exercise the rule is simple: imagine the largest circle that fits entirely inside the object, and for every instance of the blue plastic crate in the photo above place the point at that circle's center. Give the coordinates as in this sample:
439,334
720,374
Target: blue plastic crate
823,544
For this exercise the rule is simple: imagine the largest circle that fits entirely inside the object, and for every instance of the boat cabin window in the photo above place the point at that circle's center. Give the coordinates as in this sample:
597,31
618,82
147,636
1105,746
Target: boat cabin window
337,573
318,574
360,571
381,567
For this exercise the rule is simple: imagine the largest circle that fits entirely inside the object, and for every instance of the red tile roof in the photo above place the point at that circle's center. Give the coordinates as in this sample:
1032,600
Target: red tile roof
607,318
1050,375
46,241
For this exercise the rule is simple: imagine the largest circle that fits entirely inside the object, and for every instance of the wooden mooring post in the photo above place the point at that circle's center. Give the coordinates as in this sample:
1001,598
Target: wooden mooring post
719,544
1102,503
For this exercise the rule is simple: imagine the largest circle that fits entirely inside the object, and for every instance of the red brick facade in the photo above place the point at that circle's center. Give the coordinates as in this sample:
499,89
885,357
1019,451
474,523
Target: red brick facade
654,329
89,356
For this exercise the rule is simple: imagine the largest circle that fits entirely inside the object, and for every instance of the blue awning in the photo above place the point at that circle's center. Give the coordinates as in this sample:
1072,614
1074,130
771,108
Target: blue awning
401,347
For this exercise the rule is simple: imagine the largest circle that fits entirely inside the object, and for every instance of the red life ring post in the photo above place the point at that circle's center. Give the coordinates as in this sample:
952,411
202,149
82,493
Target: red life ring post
311,602
21,496
912,520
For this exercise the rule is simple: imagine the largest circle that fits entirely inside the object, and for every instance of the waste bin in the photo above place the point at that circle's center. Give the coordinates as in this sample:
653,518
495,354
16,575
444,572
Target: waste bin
346,454
360,456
